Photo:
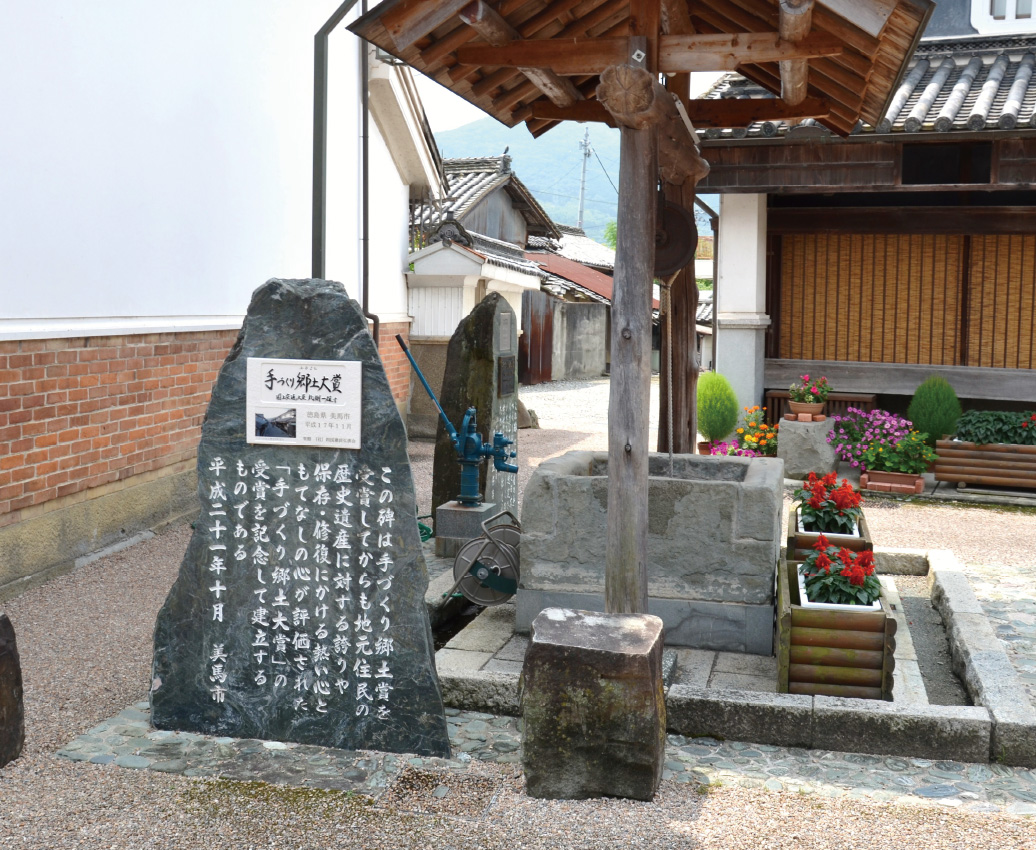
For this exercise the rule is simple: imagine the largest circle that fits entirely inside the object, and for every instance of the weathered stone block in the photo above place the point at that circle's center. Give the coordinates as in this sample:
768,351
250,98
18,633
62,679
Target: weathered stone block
961,733
783,720
713,542
593,706
457,524
804,448
12,708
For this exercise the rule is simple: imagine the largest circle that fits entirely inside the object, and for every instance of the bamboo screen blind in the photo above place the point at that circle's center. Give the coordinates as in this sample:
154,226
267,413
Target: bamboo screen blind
1002,308
871,297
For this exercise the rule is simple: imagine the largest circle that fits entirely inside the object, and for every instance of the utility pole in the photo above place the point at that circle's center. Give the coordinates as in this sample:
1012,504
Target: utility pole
584,146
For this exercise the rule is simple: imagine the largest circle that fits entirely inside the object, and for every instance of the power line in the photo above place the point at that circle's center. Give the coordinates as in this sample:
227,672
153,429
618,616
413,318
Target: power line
605,170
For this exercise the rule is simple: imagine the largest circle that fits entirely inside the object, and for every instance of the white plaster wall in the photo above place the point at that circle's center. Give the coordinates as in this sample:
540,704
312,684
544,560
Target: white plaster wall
157,162
741,257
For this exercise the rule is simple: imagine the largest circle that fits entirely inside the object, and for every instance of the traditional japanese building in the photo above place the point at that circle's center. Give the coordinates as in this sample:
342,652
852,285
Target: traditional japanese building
906,248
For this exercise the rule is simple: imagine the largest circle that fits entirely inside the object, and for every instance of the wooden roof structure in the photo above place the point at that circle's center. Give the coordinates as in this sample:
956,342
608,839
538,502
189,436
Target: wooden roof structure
539,61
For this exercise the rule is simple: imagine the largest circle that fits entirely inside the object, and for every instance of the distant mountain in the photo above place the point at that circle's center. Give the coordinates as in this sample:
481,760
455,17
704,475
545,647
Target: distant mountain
550,166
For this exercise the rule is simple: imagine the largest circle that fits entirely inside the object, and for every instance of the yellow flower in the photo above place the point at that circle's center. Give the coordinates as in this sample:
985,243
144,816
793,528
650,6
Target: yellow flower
741,430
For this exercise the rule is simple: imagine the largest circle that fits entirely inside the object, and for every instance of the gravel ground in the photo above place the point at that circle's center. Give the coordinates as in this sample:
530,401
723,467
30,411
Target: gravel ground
85,642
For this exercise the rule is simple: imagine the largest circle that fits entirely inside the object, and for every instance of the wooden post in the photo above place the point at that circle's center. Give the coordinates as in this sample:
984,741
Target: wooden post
625,580
683,304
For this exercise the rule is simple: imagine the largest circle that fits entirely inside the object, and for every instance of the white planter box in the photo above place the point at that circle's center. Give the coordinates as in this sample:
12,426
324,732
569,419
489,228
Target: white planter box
874,606
828,534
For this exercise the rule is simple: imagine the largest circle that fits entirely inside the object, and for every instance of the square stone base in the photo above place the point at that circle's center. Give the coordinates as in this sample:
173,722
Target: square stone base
721,626
456,524
593,706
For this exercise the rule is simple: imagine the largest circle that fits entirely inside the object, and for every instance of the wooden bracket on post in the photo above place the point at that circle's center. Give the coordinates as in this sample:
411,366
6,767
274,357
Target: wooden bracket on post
636,99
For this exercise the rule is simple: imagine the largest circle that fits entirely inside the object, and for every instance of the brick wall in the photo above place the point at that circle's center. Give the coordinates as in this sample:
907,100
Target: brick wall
79,413
397,367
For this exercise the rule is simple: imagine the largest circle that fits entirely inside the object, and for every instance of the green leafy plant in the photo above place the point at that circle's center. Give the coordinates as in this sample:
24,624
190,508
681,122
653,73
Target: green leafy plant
839,576
911,455
717,406
829,506
754,436
934,409
810,390
997,426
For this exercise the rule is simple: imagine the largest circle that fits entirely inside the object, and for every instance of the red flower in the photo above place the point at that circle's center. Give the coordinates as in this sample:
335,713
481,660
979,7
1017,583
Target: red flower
865,560
821,543
823,562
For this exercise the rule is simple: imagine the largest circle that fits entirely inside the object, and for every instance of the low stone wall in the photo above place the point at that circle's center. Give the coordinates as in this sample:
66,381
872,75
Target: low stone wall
713,545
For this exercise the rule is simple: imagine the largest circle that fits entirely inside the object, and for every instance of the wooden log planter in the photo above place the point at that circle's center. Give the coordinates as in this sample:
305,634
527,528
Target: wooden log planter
800,543
892,482
992,465
832,653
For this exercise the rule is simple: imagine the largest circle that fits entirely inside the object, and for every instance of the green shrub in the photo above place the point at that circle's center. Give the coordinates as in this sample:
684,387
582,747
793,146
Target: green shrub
717,406
934,409
911,455
997,426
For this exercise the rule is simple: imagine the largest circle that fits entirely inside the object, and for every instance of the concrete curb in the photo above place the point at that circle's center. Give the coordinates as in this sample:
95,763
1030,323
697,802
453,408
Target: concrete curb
1000,727
982,664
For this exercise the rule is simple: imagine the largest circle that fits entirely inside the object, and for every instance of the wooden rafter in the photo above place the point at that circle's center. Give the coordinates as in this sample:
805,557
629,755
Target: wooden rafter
489,24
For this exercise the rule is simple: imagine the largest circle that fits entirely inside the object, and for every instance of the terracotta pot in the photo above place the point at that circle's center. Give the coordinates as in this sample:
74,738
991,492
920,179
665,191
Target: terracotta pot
814,407
705,447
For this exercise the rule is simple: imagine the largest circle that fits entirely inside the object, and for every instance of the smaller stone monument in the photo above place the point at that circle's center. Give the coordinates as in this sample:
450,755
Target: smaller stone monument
12,709
593,706
481,372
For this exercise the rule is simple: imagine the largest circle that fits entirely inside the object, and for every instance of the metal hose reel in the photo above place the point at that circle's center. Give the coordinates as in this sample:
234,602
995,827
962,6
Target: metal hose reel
486,569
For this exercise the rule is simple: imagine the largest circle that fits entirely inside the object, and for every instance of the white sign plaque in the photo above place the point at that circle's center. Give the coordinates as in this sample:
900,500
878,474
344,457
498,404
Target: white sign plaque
304,402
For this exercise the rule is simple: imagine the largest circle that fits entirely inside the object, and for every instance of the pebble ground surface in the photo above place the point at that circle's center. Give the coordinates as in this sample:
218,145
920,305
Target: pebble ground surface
85,643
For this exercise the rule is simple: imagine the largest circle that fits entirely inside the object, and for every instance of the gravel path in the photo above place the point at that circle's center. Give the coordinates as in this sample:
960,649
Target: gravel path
85,642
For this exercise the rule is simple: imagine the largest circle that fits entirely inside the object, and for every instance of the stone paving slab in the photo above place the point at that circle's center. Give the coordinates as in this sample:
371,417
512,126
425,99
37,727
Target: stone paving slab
128,741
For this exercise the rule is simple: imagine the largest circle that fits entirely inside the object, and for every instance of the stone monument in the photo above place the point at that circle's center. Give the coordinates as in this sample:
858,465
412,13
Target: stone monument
593,706
298,614
481,372
12,709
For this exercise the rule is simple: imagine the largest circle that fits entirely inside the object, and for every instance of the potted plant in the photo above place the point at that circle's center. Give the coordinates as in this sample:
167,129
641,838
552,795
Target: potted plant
897,468
934,409
717,409
809,395
825,506
854,432
753,437
834,577
992,448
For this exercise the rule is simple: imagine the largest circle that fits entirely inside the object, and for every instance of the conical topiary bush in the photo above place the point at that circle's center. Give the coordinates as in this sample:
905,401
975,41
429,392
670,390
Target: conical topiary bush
717,406
934,409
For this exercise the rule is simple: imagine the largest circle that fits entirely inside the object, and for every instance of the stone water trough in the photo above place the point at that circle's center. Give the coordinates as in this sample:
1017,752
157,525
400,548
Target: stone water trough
713,545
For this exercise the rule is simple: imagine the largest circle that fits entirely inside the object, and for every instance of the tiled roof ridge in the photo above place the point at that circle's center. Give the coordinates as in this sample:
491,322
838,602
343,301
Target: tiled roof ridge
478,163
970,84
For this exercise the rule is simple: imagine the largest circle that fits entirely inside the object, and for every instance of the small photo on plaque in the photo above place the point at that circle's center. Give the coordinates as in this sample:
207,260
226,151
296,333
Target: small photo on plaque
275,424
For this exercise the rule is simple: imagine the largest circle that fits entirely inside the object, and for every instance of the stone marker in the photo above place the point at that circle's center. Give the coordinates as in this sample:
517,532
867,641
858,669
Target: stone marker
298,613
593,706
12,709
481,372
804,448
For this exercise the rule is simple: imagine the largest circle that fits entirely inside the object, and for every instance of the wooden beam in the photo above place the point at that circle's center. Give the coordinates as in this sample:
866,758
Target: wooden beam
489,24
578,55
795,20
676,53
702,113
410,20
